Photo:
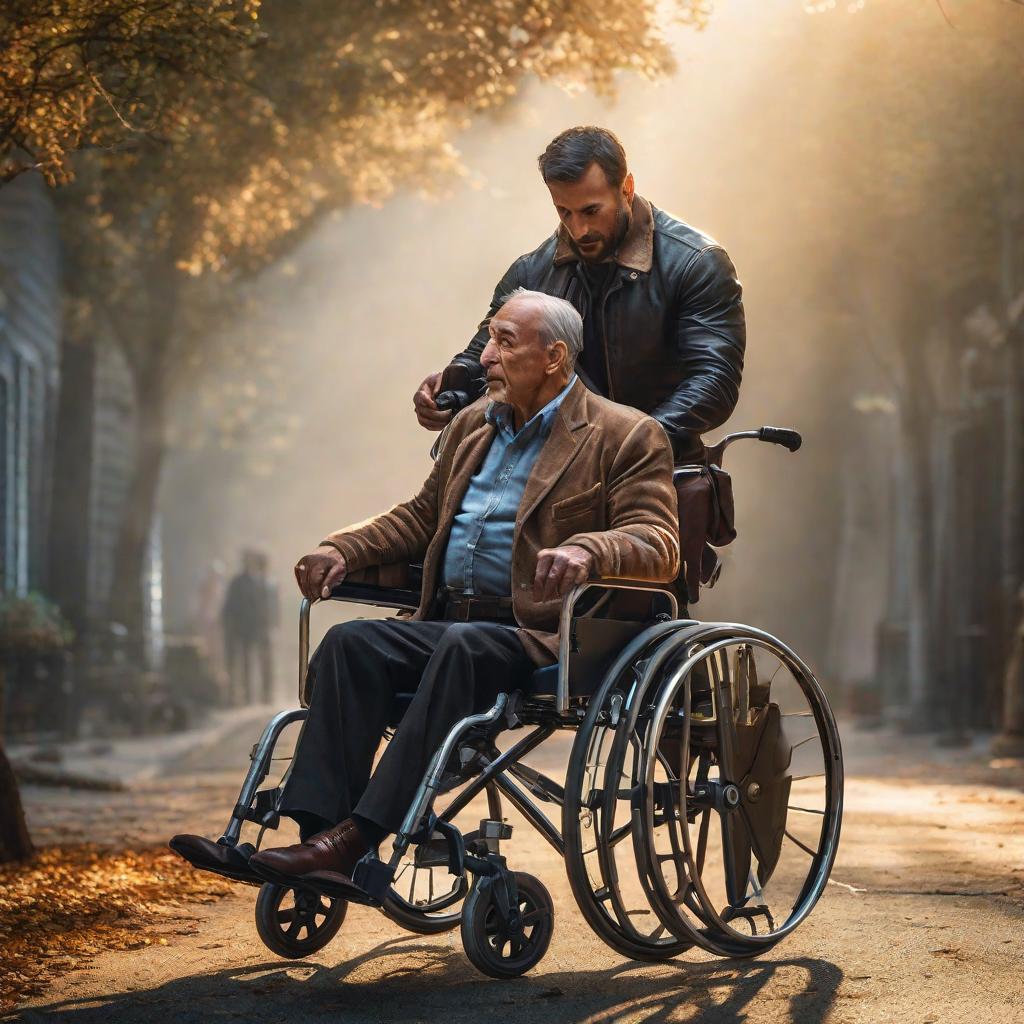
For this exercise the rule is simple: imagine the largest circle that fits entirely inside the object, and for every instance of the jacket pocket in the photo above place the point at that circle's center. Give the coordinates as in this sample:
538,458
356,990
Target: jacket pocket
577,504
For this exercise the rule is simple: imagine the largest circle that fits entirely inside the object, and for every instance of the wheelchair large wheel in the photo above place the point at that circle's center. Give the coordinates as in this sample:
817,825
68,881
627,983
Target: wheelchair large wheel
598,813
425,898
494,947
296,922
742,764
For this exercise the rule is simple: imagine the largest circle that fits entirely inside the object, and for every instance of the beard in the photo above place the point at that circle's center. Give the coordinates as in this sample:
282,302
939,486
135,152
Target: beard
623,218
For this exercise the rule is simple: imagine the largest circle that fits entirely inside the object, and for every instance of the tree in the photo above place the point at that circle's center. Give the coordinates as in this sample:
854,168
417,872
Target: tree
87,73
339,104
924,148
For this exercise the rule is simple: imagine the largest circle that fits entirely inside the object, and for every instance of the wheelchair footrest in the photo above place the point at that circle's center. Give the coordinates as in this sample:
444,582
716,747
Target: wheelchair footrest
375,877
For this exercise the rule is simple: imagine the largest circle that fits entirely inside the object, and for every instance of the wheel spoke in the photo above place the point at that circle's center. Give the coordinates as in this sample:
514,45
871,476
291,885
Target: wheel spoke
284,916
702,838
620,833
803,846
806,810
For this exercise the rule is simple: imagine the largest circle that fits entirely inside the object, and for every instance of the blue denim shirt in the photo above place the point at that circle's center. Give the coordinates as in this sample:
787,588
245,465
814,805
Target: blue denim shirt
478,559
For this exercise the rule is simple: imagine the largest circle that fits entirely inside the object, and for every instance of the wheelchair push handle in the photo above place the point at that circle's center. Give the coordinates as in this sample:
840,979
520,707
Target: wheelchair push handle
789,439
785,436
458,388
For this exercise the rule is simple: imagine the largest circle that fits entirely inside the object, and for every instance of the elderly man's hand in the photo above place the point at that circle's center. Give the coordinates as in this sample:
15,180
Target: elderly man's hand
427,411
318,572
559,570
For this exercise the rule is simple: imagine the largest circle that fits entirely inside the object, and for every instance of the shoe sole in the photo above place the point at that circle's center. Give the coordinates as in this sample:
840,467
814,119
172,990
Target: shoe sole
326,883
247,876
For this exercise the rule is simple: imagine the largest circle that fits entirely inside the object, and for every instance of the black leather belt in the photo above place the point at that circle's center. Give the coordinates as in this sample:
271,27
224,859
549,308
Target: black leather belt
458,607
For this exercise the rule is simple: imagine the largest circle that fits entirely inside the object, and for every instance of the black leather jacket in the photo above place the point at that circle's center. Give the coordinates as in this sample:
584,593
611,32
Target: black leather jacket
674,332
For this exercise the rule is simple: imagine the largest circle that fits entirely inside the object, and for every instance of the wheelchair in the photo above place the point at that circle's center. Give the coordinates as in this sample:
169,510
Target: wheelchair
701,806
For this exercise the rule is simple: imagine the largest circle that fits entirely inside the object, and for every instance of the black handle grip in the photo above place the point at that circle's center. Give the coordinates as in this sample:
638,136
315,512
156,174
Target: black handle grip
454,400
790,439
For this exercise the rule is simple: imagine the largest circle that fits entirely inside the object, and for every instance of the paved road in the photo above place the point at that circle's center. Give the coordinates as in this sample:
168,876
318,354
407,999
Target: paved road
923,923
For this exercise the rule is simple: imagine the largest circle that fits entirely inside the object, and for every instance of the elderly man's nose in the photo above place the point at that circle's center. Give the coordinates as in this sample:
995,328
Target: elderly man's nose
489,356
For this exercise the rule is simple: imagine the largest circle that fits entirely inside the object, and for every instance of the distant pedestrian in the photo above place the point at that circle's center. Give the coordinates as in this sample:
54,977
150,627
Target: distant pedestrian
246,619
209,604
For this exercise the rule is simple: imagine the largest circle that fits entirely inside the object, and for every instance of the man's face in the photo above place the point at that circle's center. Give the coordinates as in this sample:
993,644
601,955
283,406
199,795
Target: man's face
515,362
595,214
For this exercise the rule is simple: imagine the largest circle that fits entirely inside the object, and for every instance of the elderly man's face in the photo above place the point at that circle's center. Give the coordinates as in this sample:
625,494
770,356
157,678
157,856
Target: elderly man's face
516,364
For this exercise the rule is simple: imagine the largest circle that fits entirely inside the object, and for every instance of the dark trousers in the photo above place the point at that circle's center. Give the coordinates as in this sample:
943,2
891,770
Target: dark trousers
455,669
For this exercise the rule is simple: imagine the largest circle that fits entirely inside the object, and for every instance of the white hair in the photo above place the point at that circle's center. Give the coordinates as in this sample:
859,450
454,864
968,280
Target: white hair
559,320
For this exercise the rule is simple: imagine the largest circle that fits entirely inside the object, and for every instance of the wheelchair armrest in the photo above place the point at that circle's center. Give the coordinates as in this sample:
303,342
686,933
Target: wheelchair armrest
386,586
565,630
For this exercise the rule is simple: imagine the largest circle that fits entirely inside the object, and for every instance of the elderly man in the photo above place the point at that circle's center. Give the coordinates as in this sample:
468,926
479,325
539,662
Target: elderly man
537,486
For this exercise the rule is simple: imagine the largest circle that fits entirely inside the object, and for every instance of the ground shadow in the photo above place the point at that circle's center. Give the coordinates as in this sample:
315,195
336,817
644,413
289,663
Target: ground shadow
407,980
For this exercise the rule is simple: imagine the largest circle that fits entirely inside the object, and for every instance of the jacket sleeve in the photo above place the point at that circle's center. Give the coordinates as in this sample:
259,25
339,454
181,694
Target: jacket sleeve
642,539
513,278
401,534
710,342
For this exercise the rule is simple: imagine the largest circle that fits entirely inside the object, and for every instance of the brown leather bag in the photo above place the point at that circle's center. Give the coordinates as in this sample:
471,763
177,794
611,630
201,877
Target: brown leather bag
707,515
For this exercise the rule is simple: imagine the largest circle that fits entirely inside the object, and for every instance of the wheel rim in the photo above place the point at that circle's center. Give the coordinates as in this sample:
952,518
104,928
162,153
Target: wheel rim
594,834
521,944
745,919
304,919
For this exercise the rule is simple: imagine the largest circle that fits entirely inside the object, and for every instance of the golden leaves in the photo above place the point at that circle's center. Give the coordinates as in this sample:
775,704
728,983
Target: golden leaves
68,904
100,72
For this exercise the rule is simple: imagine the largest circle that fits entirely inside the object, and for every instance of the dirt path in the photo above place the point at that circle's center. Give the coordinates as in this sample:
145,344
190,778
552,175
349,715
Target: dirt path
922,924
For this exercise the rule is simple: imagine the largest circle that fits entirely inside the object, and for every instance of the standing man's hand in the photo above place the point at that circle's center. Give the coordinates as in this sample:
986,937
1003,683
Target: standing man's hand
559,570
317,573
427,411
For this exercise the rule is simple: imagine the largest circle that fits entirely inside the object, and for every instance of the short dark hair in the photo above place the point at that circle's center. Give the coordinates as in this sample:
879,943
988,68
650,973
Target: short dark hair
569,155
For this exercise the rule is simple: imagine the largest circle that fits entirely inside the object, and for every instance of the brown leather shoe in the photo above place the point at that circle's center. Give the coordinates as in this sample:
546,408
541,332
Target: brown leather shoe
336,850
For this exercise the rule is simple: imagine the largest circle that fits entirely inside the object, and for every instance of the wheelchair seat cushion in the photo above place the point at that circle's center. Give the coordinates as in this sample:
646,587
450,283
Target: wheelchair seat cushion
543,682
230,861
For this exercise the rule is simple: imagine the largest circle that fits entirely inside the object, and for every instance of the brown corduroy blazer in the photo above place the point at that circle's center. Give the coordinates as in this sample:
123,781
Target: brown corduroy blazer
603,481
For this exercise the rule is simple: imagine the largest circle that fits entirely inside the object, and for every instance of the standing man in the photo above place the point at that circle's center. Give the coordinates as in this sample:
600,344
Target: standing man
245,617
662,309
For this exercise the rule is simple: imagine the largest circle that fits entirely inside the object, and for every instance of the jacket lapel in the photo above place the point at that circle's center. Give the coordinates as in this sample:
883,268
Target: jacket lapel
465,462
568,432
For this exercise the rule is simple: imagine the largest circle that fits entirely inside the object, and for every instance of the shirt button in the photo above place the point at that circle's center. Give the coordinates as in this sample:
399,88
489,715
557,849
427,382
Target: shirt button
633,276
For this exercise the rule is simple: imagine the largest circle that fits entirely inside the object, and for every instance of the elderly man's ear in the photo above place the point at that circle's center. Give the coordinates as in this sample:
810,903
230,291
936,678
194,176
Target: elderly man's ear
559,352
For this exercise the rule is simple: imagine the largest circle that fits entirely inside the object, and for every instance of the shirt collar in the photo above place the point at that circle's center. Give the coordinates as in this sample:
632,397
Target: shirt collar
500,415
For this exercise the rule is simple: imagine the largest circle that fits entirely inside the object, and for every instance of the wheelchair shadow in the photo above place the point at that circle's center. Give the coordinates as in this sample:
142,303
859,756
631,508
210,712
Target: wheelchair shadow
407,979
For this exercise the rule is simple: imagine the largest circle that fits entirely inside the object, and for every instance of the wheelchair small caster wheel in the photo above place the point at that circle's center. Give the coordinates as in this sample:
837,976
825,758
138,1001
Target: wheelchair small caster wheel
507,945
295,923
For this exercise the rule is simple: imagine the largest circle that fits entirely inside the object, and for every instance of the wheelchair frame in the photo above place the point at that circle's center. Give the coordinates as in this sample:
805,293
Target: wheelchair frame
674,679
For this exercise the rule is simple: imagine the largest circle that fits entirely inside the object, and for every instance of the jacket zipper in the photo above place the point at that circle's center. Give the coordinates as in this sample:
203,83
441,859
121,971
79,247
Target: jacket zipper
604,333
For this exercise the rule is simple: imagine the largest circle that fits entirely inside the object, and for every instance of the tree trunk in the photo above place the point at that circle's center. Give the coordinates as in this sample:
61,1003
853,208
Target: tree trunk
127,604
150,358
1010,741
15,842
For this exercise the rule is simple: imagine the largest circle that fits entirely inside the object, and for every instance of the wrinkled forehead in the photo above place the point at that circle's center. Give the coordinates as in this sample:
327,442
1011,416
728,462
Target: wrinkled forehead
518,318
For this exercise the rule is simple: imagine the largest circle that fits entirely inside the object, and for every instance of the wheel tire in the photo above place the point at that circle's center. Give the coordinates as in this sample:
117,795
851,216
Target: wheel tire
481,932
318,916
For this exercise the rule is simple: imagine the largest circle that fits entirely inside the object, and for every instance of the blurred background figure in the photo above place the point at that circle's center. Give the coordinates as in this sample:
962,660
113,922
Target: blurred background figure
246,617
210,631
